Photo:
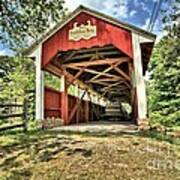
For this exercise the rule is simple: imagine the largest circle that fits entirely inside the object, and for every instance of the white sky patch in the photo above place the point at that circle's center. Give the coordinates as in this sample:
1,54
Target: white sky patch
72,5
143,5
159,31
122,9
132,13
3,52
145,24
145,8
116,8
109,5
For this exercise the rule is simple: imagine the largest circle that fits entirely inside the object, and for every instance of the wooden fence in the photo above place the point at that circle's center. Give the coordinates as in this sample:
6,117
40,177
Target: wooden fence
13,115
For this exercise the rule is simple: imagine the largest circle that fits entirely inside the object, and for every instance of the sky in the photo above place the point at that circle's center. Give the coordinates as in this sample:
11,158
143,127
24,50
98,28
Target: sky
135,12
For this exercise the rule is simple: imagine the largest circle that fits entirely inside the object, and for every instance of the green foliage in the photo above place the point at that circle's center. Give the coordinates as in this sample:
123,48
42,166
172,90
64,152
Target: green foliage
22,22
164,89
52,81
164,86
55,83
19,76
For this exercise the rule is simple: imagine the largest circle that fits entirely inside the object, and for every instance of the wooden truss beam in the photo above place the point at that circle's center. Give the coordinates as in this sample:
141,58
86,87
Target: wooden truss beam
108,88
107,48
85,56
120,92
106,79
112,85
113,89
101,74
76,107
58,72
99,82
96,72
67,58
96,62
110,68
95,56
121,72
119,88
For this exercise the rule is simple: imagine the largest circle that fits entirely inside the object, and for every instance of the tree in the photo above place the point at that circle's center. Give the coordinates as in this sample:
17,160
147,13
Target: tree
6,66
164,89
165,86
17,78
22,22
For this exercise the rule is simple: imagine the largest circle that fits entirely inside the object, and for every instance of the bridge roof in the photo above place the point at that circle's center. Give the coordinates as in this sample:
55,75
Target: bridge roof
101,16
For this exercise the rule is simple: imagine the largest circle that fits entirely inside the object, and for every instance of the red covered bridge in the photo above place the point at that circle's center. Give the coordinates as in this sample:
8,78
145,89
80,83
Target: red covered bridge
104,59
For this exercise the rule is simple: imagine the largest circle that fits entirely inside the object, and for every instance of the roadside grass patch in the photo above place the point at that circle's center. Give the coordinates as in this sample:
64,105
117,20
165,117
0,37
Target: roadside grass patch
66,155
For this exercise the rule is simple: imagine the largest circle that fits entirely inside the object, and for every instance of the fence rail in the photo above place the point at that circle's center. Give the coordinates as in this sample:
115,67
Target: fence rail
10,105
13,111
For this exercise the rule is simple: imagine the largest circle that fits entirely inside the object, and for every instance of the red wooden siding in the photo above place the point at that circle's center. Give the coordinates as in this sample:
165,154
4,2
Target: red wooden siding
52,103
106,34
52,107
71,103
80,114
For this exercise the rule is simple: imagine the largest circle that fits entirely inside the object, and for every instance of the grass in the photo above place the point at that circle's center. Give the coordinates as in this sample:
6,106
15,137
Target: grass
176,128
85,156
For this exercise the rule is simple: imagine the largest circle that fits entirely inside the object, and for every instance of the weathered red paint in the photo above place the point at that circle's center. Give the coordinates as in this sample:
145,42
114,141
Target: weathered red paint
52,103
59,105
64,103
106,34
86,107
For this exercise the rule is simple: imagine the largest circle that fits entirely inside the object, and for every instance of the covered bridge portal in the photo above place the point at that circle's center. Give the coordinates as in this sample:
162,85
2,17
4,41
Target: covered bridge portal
100,56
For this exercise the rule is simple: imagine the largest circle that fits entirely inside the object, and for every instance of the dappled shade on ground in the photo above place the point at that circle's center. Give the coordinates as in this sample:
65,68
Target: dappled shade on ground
66,155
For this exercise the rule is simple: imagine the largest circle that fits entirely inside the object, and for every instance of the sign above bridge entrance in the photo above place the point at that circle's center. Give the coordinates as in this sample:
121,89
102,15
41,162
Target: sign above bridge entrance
83,31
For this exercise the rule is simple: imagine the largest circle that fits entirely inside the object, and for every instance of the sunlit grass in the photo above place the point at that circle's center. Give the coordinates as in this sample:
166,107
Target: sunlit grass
65,155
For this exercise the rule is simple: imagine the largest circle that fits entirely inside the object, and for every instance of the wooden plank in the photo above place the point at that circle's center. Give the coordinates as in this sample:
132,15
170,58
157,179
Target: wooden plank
120,92
98,82
94,56
39,85
10,105
106,48
59,72
96,72
126,59
106,79
25,115
110,68
86,111
11,127
96,62
64,100
52,109
130,69
69,56
76,107
88,55
102,73
139,79
5,116
121,72
118,88
112,85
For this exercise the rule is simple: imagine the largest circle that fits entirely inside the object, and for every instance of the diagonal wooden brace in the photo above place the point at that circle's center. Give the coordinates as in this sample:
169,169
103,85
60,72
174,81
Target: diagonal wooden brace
76,107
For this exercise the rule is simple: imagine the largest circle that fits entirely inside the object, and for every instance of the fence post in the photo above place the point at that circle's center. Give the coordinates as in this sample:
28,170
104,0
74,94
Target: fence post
25,114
